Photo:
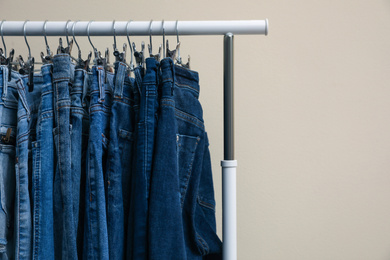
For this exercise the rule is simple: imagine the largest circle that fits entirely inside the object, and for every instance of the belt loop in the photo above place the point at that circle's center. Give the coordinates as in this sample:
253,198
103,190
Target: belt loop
173,76
85,87
5,81
119,80
101,84
138,79
22,96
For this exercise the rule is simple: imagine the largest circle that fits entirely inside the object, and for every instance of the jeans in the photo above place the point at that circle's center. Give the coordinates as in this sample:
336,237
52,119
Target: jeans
79,120
8,121
182,206
95,226
119,159
147,124
43,172
28,107
64,219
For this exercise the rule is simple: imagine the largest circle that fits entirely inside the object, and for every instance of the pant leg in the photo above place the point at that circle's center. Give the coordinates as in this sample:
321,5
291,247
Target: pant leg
65,233
8,121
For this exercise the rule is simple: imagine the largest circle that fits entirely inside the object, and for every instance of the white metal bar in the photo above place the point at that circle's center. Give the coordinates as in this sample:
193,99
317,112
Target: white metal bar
99,28
229,209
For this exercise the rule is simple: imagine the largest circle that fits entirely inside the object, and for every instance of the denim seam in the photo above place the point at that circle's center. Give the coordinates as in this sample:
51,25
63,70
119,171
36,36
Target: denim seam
205,204
201,126
205,247
23,135
36,197
188,176
187,86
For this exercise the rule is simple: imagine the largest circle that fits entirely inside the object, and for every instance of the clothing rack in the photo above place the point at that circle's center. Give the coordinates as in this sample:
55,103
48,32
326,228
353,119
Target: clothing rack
145,28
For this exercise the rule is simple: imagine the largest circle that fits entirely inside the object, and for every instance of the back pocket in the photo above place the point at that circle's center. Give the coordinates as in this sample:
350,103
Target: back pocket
185,147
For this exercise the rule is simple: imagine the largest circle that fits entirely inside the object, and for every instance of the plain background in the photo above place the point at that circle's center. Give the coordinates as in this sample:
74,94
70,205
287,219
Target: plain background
312,115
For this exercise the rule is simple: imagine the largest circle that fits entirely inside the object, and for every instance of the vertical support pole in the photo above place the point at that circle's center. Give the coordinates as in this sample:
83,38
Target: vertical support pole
229,210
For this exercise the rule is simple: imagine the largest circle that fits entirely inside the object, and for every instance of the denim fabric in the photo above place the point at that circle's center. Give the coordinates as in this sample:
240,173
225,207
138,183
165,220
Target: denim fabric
64,220
181,213
166,234
28,107
128,202
43,172
79,142
119,159
8,119
147,124
95,226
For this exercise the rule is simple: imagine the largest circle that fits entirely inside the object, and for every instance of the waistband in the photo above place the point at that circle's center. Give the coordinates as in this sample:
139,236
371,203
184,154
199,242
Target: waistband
151,74
8,96
101,81
46,71
187,78
123,86
30,100
61,68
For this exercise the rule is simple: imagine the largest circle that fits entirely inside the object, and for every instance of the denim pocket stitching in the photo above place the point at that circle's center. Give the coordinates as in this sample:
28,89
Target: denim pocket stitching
206,204
191,161
205,246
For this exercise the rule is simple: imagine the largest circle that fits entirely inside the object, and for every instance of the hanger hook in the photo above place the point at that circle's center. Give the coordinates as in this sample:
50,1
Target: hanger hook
44,33
25,38
128,40
163,29
177,42
89,38
113,27
74,38
2,38
67,32
150,37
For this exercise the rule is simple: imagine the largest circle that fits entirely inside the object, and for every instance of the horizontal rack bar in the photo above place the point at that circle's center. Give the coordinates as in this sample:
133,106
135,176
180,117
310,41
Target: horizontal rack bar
135,28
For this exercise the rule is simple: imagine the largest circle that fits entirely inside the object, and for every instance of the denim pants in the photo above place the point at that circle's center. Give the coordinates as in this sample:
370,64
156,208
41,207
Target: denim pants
8,120
147,124
182,206
119,159
43,172
64,220
95,226
79,120
28,107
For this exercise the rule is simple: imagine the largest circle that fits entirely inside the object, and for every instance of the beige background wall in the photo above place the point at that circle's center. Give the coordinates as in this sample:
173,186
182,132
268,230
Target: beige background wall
312,115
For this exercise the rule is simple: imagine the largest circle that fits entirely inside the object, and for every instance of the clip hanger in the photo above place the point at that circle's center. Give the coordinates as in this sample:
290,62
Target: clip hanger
150,46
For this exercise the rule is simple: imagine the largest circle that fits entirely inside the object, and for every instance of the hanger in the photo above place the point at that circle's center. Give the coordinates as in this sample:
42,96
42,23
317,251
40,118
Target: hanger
68,49
119,56
99,60
3,54
131,64
81,64
178,59
4,60
48,58
150,46
171,54
28,66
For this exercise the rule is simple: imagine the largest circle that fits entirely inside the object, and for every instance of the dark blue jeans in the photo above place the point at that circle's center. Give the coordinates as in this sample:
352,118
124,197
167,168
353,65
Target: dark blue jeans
95,226
28,108
43,172
182,206
119,160
79,120
64,219
8,120
138,218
